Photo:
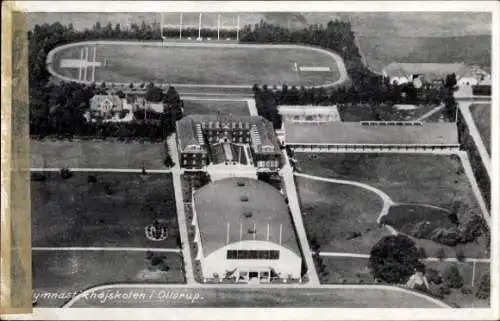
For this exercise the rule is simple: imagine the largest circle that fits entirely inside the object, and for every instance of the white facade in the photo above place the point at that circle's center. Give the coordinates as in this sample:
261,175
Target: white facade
217,265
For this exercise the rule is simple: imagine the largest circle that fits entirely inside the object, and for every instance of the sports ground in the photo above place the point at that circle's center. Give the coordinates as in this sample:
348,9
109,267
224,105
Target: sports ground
195,64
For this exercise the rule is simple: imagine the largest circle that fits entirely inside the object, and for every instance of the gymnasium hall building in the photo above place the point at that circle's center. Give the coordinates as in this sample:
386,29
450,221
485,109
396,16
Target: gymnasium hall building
225,141
245,236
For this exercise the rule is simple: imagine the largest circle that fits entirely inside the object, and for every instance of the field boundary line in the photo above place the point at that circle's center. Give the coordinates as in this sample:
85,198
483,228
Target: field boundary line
106,249
199,98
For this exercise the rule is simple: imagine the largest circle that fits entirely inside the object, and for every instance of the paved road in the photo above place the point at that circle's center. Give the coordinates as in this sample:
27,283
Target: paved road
427,259
105,249
474,132
258,295
181,215
430,113
464,159
113,170
293,203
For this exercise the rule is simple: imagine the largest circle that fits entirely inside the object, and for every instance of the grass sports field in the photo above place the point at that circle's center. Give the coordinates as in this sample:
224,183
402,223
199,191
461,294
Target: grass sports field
193,63
422,179
66,272
333,212
481,113
223,107
112,211
169,296
384,112
96,154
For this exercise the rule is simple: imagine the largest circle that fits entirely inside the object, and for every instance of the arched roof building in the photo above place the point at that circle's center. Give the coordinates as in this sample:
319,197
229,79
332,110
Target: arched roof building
244,230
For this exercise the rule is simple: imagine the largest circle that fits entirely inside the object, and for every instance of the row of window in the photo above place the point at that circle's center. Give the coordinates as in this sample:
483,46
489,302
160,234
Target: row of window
268,164
253,255
215,125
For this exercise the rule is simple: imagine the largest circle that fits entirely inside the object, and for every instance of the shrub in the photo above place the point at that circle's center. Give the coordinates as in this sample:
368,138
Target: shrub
433,276
471,229
393,259
452,277
66,173
421,253
483,289
460,255
446,236
91,179
422,230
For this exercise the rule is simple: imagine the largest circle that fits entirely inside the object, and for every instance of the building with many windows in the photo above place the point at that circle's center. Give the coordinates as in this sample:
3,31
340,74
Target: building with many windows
247,235
211,140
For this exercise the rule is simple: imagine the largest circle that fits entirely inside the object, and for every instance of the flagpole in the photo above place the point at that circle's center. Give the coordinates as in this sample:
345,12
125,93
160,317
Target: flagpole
199,27
180,27
218,26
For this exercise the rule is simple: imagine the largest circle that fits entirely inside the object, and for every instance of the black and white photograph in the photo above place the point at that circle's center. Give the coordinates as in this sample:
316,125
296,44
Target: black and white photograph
250,156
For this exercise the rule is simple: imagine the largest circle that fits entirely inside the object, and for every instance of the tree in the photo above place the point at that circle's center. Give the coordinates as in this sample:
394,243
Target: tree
154,94
483,289
450,81
66,173
452,277
393,259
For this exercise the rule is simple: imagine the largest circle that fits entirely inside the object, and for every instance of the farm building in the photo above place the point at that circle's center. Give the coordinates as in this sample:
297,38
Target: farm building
247,235
205,140
371,135
430,73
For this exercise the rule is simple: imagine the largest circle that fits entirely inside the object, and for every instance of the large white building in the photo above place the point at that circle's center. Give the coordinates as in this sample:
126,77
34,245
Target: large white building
244,232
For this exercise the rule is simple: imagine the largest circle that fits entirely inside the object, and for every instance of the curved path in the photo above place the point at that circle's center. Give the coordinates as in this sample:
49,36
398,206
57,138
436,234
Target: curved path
337,58
349,288
388,202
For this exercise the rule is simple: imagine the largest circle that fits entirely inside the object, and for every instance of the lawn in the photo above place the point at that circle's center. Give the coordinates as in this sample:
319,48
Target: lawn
332,213
481,113
222,107
68,272
382,49
346,270
201,63
96,154
419,179
112,211
385,112
263,297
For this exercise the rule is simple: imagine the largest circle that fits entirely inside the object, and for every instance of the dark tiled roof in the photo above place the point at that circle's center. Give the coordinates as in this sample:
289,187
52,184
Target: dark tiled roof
265,203
186,133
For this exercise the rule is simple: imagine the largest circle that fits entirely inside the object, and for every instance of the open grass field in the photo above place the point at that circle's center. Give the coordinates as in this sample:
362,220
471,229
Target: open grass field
333,212
193,63
481,113
418,179
111,212
223,107
96,154
380,50
65,273
346,270
262,297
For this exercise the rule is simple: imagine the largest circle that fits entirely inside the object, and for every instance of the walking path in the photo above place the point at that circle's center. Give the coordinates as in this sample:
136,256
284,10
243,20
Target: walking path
428,259
388,202
430,113
252,108
464,159
113,170
293,203
181,215
474,132
104,249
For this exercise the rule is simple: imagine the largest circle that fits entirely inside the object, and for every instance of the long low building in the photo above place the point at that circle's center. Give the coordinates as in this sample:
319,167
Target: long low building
244,232
371,134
